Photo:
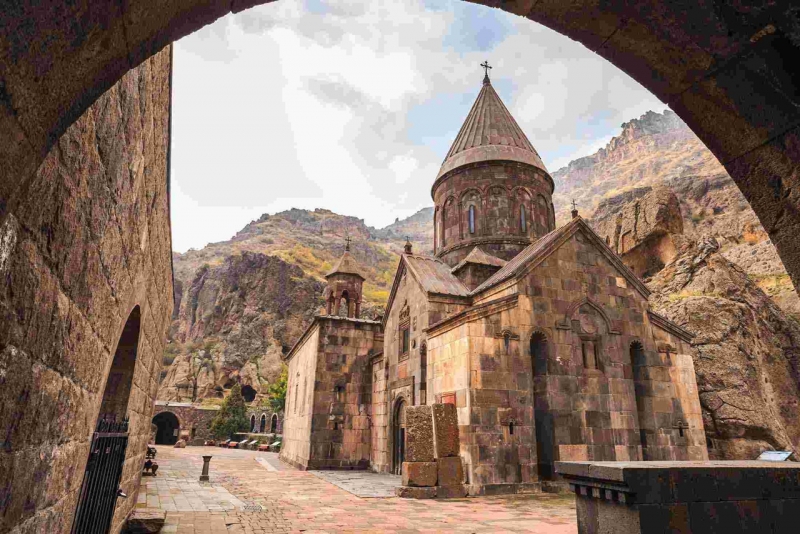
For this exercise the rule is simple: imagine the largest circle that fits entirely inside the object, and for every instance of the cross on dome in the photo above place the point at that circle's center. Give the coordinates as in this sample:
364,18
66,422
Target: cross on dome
486,69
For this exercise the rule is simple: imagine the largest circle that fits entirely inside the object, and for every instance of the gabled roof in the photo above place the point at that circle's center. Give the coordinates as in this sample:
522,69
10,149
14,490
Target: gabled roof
477,256
432,274
347,264
490,133
541,249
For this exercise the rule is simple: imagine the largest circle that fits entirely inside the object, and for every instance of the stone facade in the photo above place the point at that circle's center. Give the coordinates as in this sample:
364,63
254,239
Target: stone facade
85,300
194,421
329,394
540,342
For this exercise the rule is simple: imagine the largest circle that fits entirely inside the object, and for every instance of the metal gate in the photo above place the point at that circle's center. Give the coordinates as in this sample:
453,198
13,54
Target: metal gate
100,489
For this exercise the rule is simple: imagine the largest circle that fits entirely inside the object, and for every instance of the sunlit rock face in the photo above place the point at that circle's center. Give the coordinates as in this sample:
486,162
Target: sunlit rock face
746,352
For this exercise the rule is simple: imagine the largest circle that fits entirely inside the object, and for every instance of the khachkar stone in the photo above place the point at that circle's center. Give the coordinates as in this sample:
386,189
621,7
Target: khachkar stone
445,430
419,434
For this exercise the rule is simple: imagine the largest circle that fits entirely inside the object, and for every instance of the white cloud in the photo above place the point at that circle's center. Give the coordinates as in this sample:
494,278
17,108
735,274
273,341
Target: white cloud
292,105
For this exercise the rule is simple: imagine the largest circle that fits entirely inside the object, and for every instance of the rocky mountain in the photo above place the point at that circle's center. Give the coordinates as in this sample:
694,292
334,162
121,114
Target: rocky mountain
241,303
748,351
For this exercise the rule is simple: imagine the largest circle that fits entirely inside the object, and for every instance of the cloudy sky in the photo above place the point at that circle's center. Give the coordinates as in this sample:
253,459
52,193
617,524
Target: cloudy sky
351,106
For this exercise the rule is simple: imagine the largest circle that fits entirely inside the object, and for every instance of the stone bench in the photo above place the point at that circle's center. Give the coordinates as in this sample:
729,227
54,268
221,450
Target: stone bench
686,497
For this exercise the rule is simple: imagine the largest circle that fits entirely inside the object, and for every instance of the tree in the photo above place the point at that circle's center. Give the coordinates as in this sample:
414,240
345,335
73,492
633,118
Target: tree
276,392
232,416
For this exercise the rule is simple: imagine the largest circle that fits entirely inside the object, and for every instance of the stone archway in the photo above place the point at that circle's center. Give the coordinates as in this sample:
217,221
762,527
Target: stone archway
273,425
262,427
168,428
721,67
120,377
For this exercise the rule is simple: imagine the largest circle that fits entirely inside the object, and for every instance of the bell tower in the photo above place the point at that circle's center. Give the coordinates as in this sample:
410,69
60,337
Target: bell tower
492,191
343,292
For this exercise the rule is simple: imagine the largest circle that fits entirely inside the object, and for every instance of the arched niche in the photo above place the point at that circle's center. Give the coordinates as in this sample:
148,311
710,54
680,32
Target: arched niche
120,377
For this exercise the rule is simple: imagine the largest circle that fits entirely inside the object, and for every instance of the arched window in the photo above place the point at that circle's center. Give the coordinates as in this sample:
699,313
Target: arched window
338,392
344,305
442,220
523,222
637,354
506,341
252,423
273,426
471,219
262,423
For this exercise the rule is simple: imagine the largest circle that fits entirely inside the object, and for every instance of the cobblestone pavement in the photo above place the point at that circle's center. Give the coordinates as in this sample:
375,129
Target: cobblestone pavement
251,492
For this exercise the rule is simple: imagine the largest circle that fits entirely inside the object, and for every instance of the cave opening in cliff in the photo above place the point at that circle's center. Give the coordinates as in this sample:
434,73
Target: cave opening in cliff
248,393
168,428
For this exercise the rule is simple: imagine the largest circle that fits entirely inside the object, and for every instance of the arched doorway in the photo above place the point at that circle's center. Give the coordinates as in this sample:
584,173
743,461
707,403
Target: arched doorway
263,426
252,423
273,426
248,393
168,428
399,437
100,487
543,418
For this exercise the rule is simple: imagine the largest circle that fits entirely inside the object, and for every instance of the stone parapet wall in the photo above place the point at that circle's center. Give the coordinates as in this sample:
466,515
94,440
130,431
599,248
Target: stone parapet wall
83,247
655,497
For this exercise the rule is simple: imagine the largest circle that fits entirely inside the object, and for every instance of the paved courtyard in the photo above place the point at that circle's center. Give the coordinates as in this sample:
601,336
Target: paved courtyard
253,492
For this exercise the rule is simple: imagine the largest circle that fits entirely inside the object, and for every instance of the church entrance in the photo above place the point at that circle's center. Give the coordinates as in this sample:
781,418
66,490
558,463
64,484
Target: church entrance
399,434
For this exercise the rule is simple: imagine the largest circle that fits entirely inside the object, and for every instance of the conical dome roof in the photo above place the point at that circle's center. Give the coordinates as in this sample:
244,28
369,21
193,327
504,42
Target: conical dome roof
346,265
490,133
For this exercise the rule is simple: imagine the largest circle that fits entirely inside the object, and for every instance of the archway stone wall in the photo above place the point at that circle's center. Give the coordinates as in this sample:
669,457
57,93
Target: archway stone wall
195,420
84,244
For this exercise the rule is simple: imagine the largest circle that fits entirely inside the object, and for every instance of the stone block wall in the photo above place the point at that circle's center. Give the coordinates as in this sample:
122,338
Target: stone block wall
194,421
497,191
296,446
379,454
84,244
342,393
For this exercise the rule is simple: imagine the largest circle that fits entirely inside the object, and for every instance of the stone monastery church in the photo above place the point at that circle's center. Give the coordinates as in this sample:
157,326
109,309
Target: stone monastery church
540,336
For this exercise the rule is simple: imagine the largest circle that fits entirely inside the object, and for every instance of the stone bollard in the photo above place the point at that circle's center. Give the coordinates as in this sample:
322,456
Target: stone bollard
204,475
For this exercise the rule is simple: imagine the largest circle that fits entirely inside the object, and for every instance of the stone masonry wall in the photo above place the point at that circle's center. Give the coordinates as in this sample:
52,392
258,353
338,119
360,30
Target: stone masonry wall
296,446
497,191
573,394
342,393
379,454
83,246
195,422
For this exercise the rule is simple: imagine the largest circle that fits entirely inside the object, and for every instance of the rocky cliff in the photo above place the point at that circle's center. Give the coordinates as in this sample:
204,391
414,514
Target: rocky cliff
659,152
234,321
239,304
748,351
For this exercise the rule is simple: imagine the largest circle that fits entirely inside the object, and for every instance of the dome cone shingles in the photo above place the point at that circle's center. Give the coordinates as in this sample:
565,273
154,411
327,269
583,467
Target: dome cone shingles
490,133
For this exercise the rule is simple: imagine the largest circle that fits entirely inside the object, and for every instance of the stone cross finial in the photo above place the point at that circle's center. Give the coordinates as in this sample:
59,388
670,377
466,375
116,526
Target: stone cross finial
347,243
486,68
574,209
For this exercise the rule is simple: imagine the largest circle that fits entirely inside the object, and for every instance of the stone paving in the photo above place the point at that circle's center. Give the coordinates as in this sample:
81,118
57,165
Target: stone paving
252,492
362,483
